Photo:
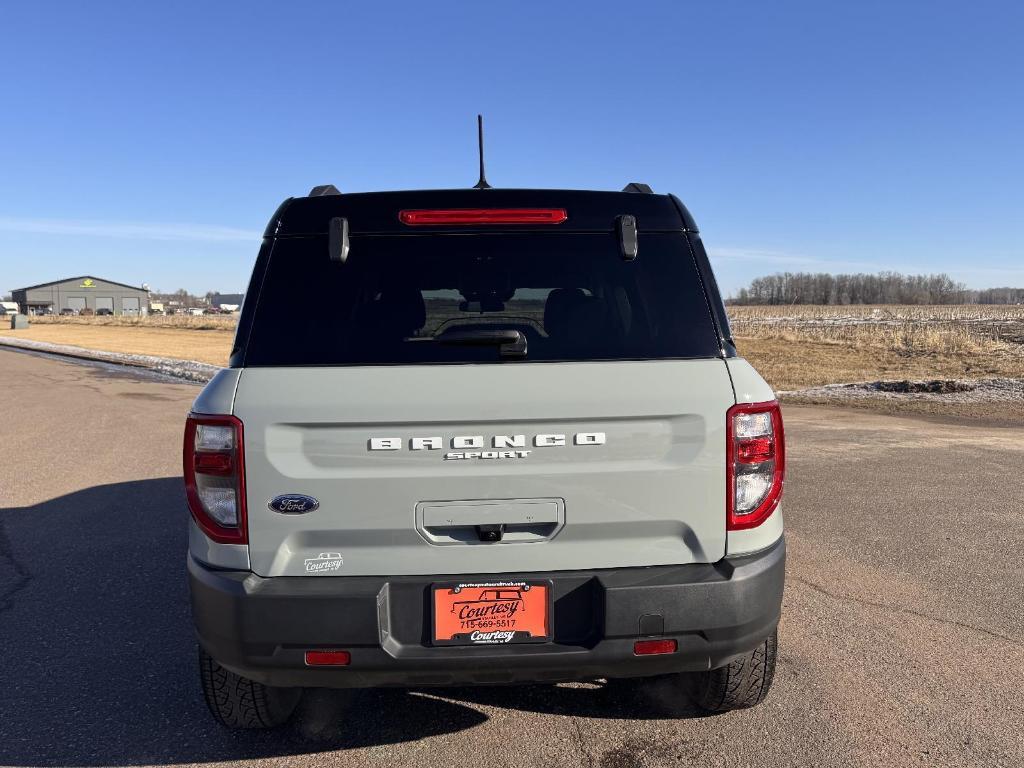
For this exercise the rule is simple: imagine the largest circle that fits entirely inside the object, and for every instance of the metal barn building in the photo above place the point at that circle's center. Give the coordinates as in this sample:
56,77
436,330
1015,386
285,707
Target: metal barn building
80,293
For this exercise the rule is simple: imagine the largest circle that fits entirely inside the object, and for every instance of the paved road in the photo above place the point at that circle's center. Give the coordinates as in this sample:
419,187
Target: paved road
901,642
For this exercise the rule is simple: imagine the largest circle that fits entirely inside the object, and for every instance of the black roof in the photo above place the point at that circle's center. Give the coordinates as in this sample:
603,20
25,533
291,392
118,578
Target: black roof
377,212
81,277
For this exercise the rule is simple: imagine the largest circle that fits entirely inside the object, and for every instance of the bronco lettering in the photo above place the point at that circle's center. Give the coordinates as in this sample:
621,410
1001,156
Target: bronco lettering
476,444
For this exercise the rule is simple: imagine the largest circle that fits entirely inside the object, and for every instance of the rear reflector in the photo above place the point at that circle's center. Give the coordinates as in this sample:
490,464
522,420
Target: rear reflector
654,647
465,216
328,658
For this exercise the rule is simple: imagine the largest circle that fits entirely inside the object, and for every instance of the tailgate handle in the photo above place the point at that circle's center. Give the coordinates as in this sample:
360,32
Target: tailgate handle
490,522
445,516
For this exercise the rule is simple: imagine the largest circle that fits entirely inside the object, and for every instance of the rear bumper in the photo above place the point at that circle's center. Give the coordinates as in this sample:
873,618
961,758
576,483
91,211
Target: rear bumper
260,627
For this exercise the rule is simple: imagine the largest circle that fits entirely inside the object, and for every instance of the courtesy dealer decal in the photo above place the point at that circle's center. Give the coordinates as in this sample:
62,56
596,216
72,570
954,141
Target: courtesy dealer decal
325,562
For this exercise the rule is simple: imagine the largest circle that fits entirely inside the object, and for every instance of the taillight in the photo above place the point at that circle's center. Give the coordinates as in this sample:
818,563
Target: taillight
468,216
214,469
755,463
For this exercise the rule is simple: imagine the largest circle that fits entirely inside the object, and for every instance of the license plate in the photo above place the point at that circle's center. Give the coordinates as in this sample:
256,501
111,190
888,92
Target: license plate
492,613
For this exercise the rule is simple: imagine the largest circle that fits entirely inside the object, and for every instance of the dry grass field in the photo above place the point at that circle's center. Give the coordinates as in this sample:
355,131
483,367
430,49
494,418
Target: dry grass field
796,347
206,339
186,322
998,322
975,354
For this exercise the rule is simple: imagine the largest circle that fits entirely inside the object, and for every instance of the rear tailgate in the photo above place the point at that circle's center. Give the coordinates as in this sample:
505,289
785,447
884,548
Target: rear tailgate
639,480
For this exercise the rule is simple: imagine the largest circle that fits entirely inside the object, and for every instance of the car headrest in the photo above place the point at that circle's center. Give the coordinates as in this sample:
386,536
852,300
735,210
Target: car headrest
588,323
559,307
398,312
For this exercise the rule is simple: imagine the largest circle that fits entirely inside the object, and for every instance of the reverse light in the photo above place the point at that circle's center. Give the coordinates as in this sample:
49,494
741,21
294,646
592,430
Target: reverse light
466,216
654,647
755,463
214,470
328,658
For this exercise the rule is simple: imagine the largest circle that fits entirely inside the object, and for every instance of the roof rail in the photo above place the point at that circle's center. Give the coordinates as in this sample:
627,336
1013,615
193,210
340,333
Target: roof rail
636,186
324,189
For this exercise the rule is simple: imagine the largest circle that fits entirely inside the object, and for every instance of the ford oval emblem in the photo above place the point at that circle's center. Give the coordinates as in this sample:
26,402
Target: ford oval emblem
293,504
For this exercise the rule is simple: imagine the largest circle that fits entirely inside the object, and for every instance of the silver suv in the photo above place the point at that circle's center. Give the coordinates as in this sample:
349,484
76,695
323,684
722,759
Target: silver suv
483,436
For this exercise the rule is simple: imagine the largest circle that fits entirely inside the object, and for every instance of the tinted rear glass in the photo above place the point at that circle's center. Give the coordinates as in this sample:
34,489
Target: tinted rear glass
438,299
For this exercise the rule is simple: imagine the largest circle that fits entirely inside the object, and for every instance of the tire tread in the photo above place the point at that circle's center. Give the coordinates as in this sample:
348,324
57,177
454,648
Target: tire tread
238,702
741,684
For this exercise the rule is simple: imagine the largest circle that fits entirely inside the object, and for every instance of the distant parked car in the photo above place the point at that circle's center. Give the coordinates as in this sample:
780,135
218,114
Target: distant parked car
87,312
197,311
104,311
69,311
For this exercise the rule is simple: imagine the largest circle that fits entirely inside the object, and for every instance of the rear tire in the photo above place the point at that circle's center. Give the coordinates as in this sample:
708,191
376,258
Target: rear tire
740,684
238,702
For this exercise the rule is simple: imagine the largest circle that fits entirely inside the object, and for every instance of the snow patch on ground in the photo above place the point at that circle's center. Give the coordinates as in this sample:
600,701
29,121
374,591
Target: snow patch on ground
996,390
188,370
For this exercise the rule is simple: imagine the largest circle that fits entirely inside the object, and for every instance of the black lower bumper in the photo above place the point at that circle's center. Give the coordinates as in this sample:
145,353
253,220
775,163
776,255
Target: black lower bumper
261,627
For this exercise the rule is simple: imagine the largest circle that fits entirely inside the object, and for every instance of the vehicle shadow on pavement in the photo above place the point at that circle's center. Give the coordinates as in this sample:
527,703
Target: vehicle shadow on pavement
98,662
632,699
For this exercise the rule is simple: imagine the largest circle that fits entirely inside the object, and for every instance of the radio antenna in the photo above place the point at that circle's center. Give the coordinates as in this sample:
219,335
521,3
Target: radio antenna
482,184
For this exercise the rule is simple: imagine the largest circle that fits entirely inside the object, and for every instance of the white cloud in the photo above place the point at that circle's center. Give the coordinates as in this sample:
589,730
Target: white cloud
757,254
127,230
780,259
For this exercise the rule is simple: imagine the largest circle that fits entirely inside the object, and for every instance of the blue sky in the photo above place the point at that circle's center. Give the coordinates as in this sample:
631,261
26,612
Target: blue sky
150,142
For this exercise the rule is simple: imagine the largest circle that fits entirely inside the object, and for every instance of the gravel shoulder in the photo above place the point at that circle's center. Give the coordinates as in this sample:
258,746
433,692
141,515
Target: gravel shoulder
187,370
993,401
206,345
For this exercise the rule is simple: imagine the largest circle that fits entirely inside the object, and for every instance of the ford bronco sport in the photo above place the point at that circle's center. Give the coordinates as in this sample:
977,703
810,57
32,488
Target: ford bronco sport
507,438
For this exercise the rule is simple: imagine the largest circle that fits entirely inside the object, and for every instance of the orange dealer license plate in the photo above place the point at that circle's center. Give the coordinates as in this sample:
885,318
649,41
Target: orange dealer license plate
492,613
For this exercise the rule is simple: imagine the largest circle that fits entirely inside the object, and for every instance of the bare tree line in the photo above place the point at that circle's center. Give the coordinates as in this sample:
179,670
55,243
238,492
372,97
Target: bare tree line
882,288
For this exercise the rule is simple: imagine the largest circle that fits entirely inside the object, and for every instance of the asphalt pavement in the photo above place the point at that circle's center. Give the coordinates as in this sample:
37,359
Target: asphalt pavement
902,639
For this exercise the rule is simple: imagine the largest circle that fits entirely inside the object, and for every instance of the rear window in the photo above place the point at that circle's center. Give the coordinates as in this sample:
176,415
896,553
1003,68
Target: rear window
481,298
